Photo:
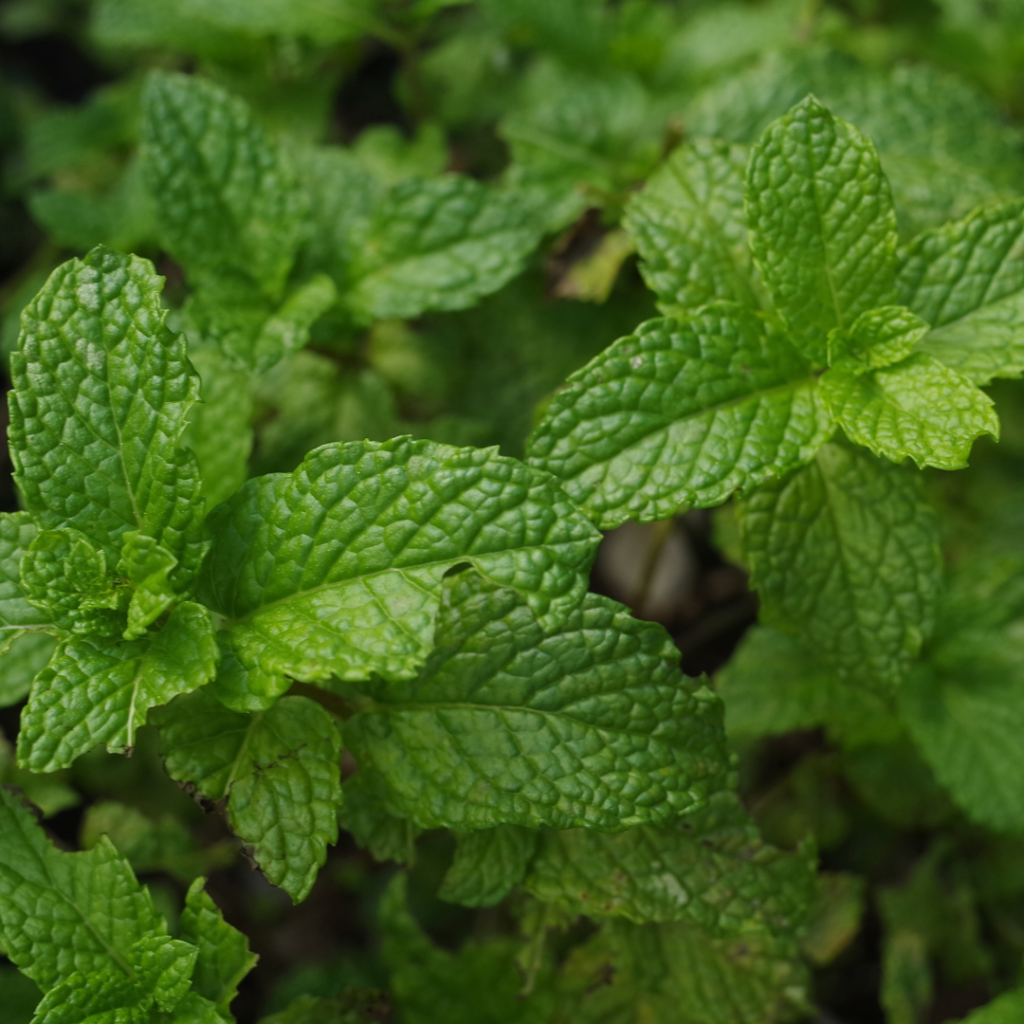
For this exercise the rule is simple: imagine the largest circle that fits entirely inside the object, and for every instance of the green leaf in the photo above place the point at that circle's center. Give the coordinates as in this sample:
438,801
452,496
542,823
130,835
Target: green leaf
712,869
439,244
478,985
675,973
147,566
157,978
279,771
690,230
51,794
845,554
99,691
918,408
226,198
822,225
65,577
220,426
590,724
336,568
25,657
965,711
224,957
682,413
17,532
363,813
967,280
66,914
772,685
1007,1009
877,338
324,22
488,865
101,392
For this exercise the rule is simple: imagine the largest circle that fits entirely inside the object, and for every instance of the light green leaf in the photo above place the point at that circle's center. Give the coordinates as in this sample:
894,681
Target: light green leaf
690,229
224,957
17,532
822,225
772,685
488,865
877,338
101,392
674,973
336,569
363,813
967,280
439,244
682,413
478,985
220,426
147,566
65,577
226,199
99,691
587,725
712,869
157,978
287,329
845,554
918,409
63,914
965,710
279,771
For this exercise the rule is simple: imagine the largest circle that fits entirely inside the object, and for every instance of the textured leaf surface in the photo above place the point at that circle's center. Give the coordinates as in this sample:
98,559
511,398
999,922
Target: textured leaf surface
845,554
101,391
918,409
147,566
675,973
478,985
690,230
488,865
99,691
279,771
224,958
336,568
66,913
965,711
363,813
877,338
822,225
712,869
681,413
590,724
226,200
967,280
439,244
17,531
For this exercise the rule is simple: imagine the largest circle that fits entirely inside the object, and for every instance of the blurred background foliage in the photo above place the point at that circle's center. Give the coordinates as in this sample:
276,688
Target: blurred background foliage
573,103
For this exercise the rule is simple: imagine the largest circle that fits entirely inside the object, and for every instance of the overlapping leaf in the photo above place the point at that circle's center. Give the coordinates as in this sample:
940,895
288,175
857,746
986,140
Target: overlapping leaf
488,865
17,531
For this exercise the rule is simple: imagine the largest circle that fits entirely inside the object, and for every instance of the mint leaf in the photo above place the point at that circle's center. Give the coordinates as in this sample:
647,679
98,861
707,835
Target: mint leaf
488,865
589,724
438,244
822,225
101,392
845,554
25,656
220,425
226,199
478,985
335,569
100,690
966,279
63,914
65,577
17,531
682,413
690,229
279,771
224,958
362,813
964,711
1007,1009
877,338
674,874
918,408
147,566
156,978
